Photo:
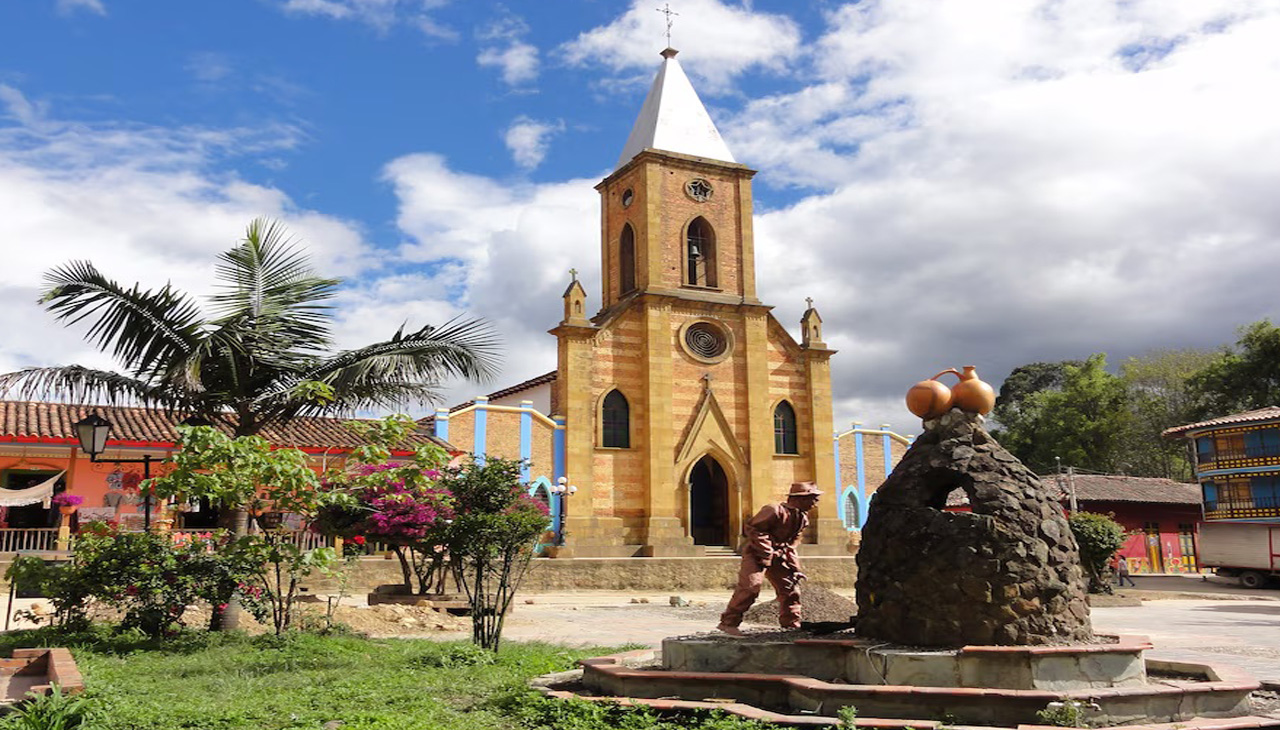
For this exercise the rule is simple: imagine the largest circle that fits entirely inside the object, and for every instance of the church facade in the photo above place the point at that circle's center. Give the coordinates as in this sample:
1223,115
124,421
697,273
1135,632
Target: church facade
679,405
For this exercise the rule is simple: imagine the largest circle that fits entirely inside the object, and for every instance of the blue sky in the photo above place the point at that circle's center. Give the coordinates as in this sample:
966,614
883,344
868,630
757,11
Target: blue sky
953,184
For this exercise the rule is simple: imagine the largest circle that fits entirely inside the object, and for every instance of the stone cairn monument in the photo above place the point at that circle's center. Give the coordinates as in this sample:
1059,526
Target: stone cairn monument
1006,573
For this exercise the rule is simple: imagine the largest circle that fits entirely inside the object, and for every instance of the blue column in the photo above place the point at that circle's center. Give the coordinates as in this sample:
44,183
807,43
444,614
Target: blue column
559,443
482,427
526,438
888,453
858,459
442,424
557,501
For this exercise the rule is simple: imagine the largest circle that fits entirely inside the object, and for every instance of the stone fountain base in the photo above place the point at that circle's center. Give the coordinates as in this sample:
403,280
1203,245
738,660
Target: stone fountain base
778,676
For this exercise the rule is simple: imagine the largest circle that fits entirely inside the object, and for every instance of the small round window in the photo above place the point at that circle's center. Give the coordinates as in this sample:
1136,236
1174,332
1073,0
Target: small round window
706,341
628,195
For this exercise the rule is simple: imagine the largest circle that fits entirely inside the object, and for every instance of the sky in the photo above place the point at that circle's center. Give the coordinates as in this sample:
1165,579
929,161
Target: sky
953,183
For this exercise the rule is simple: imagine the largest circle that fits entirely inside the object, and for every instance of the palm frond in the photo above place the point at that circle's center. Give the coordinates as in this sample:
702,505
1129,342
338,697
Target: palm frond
282,405
79,384
143,329
461,347
271,298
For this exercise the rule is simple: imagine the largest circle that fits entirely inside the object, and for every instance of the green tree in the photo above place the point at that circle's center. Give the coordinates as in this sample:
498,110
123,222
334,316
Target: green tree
1084,420
1160,397
492,538
1242,377
245,473
1099,537
263,355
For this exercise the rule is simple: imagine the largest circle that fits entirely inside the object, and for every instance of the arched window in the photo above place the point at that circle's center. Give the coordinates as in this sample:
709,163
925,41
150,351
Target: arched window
852,511
627,260
784,429
700,253
615,417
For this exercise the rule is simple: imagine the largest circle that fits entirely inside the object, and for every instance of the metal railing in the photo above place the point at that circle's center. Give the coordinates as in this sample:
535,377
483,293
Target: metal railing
305,539
24,539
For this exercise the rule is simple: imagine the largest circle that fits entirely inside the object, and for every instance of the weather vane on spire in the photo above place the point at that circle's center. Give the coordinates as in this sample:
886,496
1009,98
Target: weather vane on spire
667,11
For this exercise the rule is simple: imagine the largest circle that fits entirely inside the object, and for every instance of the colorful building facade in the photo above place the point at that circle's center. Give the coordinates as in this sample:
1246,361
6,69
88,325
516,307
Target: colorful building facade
1237,464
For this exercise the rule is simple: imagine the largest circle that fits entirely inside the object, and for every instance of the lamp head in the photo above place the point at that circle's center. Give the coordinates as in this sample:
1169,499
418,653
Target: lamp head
92,431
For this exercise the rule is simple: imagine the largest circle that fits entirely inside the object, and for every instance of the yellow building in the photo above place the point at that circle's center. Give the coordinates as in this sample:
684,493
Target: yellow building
680,405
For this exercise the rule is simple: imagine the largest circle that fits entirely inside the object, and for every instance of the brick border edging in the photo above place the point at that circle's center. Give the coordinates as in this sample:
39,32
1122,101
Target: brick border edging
60,668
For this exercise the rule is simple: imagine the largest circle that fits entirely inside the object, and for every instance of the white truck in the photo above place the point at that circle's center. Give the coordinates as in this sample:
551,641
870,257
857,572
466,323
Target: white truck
1249,551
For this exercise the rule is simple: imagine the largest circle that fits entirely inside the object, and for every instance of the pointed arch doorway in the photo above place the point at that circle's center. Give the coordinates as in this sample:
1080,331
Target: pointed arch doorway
708,502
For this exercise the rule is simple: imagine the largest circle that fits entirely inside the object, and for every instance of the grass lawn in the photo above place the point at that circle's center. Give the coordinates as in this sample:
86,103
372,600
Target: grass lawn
230,681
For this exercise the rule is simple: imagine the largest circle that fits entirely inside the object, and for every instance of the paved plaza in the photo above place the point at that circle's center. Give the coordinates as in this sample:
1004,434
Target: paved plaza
1235,629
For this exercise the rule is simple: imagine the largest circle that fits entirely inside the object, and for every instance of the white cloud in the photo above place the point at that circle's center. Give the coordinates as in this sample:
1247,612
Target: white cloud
380,14
68,7
503,251
208,67
719,40
988,188
143,203
517,60
505,50
1022,183
528,140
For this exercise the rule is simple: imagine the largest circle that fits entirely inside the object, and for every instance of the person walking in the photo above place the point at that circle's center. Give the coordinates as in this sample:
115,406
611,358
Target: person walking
1122,573
771,553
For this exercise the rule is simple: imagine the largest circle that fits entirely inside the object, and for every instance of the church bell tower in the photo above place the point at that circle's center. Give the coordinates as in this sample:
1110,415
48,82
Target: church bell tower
687,405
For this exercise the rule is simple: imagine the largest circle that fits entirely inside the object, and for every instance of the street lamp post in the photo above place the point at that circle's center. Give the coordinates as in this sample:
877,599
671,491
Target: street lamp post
563,488
92,432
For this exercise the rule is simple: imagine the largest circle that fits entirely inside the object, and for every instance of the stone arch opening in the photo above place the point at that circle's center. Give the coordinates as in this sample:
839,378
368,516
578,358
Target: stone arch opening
708,502
942,488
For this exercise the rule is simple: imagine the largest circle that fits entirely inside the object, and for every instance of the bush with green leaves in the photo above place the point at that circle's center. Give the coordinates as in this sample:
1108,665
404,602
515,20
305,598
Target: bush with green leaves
1099,537
70,591
150,577
52,711
492,538
246,473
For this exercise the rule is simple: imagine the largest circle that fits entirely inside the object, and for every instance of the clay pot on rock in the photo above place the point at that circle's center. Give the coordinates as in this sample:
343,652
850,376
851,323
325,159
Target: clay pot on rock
929,398
972,394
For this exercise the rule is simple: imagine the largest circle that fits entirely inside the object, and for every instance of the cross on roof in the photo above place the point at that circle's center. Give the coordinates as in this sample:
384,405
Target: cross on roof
667,11
574,274
809,301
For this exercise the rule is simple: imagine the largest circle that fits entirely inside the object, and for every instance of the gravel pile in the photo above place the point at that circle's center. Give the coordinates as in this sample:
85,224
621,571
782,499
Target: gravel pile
817,604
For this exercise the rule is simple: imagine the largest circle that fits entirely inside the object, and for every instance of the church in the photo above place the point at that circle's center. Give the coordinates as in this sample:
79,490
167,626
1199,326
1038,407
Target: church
679,405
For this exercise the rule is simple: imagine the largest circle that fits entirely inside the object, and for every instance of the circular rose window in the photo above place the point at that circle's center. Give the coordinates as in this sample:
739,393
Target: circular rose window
706,341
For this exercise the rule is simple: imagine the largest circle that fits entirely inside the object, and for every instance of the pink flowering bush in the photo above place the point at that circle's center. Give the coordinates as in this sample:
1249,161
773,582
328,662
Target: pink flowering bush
399,503
63,499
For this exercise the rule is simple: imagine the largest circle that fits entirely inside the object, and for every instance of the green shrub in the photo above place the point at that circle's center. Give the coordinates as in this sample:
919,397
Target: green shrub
1099,537
53,711
1067,713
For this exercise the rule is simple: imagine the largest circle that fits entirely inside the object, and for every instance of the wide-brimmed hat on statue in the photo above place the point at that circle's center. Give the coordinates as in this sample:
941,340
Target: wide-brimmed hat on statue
804,489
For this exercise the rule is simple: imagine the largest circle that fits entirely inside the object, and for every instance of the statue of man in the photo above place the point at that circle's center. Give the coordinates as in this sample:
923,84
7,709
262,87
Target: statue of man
771,553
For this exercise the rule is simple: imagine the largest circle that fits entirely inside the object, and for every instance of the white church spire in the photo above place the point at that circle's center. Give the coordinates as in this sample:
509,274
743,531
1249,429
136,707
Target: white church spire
674,120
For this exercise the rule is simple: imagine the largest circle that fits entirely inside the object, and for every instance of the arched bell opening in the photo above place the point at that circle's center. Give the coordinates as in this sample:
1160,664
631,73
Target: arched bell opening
709,502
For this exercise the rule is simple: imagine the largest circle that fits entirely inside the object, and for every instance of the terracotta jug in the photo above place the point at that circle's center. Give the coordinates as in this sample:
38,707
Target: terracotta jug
972,394
930,398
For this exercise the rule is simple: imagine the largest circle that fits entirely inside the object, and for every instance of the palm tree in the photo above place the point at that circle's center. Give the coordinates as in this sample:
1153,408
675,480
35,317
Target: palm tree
264,357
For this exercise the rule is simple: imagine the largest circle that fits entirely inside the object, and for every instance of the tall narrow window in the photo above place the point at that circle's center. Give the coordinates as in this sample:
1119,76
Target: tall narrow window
615,421
784,429
627,260
700,253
